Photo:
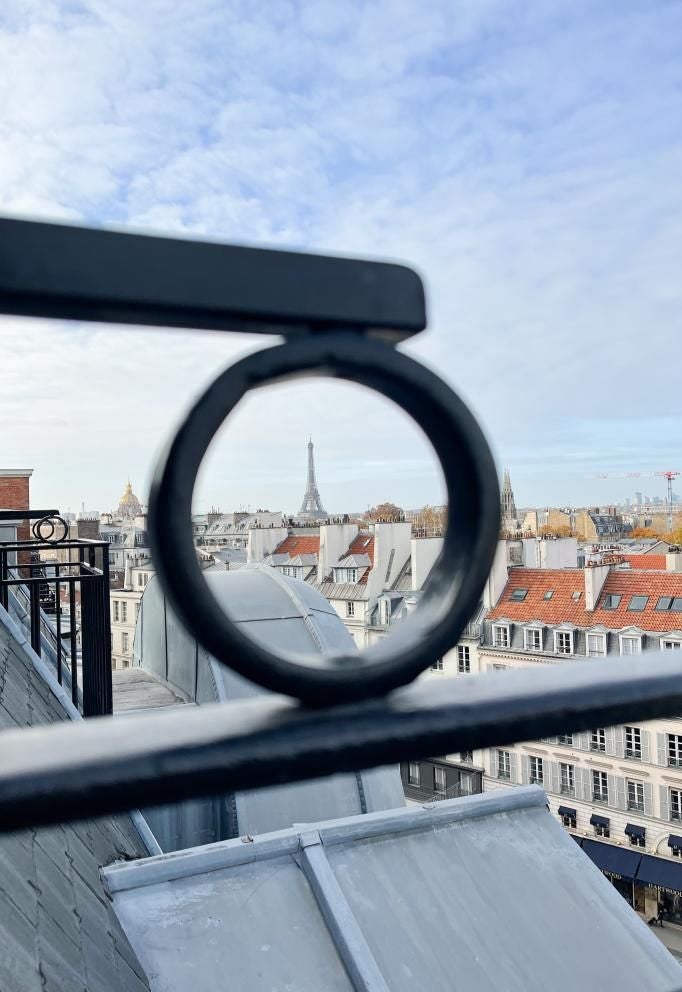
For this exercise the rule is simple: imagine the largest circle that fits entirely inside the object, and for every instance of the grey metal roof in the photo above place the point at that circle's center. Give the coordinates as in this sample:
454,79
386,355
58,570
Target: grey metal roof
57,929
486,892
344,590
280,611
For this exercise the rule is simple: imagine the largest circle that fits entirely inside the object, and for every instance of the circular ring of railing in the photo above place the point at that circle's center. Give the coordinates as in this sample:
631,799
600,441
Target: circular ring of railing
456,581
54,522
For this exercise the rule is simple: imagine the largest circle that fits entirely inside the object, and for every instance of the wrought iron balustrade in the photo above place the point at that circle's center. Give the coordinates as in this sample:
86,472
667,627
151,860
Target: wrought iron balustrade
340,318
63,601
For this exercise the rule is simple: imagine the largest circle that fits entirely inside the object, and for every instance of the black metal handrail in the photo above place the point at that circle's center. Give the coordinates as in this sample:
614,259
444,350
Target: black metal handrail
338,317
40,581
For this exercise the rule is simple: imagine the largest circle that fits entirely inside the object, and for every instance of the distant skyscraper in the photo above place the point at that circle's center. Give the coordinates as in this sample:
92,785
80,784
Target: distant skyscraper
311,507
509,519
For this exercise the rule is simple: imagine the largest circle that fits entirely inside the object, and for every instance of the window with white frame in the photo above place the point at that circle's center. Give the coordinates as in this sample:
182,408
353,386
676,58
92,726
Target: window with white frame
635,796
636,840
504,765
124,642
563,641
413,775
439,779
116,611
532,639
598,740
600,787
565,739
567,779
630,645
570,821
536,776
633,743
596,645
463,659
140,579
124,611
146,578
352,574
671,645
675,804
437,666
602,830
674,750
499,668
137,612
501,636
676,852
350,609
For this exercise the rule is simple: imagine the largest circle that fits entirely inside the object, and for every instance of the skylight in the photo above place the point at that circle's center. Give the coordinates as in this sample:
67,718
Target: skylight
548,594
518,595
673,603
576,595
611,601
638,603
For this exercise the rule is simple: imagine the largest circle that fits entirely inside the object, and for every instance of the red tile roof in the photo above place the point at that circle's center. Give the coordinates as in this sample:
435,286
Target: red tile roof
563,608
363,544
298,546
646,561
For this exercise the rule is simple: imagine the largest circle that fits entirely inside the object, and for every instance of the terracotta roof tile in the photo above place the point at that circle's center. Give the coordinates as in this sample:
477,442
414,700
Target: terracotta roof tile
298,546
363,544
562,607
646,561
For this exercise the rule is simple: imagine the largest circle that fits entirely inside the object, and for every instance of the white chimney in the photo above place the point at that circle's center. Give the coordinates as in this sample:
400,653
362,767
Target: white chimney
673,561
334,542
595,577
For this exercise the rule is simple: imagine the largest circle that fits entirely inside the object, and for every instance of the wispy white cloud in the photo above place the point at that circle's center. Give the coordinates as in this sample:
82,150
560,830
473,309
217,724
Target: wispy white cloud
525,159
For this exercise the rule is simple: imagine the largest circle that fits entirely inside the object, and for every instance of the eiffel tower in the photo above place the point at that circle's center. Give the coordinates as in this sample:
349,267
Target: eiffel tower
311,507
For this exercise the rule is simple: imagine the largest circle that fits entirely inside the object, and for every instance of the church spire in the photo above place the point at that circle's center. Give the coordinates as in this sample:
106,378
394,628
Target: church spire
508,506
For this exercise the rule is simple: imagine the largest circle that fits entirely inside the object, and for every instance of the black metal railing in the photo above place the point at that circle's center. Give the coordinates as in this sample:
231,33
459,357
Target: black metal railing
59,590
339,318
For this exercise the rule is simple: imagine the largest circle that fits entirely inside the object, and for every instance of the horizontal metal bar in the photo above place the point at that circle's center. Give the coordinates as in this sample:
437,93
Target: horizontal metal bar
50,579
53,270
27,514
67,772
51,546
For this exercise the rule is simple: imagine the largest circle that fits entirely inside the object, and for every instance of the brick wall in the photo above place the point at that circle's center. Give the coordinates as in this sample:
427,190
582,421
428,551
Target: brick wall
14,495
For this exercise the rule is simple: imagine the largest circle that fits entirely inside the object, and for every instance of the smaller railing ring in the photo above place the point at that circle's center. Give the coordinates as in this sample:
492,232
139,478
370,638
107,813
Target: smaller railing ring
38,529
456,580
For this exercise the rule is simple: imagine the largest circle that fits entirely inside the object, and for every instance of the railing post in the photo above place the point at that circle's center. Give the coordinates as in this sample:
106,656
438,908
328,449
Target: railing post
34,611
4,590
96,643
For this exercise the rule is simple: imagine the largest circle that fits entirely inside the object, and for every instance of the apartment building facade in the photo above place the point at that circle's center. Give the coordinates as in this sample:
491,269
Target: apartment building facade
618,790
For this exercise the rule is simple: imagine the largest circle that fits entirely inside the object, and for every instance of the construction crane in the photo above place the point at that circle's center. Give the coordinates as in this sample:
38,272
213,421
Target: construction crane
668,474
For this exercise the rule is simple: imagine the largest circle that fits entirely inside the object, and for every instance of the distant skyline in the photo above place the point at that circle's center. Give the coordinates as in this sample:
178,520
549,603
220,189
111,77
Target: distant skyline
525,159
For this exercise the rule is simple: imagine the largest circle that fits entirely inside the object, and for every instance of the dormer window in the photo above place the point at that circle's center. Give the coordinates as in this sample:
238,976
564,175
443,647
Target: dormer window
563,641
630,645
532,638
500,635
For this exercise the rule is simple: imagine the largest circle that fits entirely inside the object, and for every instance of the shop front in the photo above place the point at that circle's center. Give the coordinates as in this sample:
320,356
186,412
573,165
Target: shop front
620,865
662,880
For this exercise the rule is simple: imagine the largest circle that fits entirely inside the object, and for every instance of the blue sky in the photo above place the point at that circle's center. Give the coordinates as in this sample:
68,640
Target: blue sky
525,158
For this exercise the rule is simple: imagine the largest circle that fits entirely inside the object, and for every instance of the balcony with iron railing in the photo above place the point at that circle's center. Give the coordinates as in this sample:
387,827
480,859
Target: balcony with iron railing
57,589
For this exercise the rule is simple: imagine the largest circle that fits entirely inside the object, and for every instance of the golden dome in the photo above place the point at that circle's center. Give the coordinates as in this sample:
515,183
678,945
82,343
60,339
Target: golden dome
130,505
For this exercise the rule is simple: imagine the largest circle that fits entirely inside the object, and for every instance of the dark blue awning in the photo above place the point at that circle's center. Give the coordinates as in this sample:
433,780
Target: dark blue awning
599,821
661,872
567,811
632,830
674,841
613,860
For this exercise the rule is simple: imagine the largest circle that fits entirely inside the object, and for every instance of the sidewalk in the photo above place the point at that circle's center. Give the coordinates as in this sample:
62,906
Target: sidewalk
670,935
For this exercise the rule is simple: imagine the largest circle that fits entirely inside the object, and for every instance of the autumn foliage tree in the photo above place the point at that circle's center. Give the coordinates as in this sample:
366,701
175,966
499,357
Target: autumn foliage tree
386,513
430,521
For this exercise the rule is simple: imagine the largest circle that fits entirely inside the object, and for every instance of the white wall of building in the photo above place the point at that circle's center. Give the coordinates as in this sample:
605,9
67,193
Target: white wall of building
334,542
263,541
